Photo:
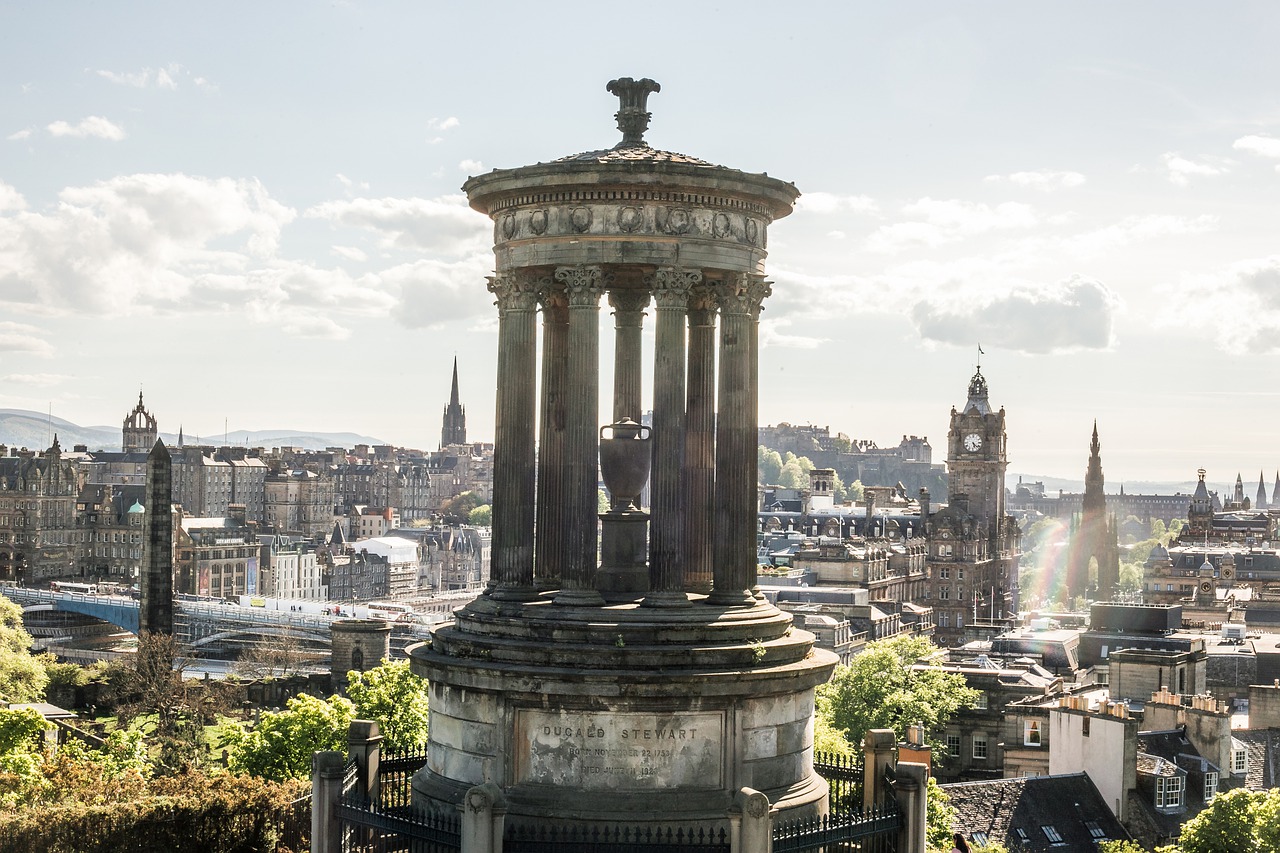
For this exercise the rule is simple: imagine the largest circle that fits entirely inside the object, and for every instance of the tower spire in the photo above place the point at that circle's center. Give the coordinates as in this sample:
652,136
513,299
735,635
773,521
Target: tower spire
454,430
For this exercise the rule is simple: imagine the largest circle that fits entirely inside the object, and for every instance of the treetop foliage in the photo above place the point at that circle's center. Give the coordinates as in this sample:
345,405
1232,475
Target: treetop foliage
883,688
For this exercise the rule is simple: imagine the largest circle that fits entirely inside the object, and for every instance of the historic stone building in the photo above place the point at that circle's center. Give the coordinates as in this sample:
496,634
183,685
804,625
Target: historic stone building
37,515
1095,536
299,501
109,532
217,557
974,547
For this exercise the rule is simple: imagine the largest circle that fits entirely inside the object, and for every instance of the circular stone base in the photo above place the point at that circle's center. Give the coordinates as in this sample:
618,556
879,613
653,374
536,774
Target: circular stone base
621,714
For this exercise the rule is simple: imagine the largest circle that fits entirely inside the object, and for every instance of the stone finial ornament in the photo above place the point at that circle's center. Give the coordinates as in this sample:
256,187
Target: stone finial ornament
633,115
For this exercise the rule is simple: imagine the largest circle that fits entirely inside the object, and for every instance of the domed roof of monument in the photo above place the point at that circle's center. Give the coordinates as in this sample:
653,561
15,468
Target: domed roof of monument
633,120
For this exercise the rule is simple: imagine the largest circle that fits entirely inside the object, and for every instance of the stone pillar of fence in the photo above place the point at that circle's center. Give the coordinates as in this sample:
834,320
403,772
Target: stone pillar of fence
910,787
879,751
327,770
364,744
750,823
484,812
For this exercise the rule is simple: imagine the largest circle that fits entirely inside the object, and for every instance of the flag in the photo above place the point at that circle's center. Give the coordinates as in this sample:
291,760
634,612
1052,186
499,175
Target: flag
980,352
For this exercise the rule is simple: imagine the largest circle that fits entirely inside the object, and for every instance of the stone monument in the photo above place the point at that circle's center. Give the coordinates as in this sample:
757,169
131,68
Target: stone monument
641,691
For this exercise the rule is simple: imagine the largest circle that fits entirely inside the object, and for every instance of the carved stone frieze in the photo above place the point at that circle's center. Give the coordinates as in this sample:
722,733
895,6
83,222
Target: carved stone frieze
538,222
630,218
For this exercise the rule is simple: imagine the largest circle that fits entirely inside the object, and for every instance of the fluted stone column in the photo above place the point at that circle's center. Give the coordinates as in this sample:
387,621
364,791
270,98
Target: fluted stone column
513,446
581,450
756,306
736,435
549,545
700,441
671,287
628,319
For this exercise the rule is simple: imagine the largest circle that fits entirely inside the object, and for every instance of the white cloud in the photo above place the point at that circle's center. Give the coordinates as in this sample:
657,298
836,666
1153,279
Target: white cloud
475,167
95,126
1263,146
941,221
435,294
350,184
349,253
19,134
10,198
21,338
1134,229
1236,309
820,202
443,124
147,78
40,379
135,242
444,224
1044,180
772,335
837,234
1070,315
1181,169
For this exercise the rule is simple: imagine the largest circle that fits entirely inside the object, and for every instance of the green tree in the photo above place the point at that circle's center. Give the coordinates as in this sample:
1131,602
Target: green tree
280,746
481,516
882,688
768,465
21,731
1229,824
1119,847
939,817
1158,529
855,491
457,508
22,676
1267,820
391,694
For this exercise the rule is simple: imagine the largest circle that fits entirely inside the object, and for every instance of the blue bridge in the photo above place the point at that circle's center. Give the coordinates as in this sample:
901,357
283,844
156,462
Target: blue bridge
203,624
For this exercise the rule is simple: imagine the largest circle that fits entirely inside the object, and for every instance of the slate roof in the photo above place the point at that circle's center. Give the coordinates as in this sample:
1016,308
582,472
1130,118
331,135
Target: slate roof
634,154
1070,804
1262,750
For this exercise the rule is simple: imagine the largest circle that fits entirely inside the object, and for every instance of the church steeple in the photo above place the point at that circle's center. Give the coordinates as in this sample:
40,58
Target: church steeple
1096,535
139,429
454,430
1261,502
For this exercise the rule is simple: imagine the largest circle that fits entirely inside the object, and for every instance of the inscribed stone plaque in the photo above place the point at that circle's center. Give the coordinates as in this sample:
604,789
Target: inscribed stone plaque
620,751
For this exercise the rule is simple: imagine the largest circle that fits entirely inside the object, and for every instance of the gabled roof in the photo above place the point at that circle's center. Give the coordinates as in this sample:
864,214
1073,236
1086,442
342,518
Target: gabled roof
1070,804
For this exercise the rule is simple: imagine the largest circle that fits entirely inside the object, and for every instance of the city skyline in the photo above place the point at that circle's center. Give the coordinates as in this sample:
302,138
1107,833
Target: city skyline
254,214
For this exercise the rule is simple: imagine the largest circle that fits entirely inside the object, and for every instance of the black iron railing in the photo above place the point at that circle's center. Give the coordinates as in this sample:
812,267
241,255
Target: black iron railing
579,838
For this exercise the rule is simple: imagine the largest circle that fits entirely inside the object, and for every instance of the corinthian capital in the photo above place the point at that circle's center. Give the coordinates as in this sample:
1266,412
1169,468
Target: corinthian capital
582,283
742,294
628,301
672,285
551,296
514,291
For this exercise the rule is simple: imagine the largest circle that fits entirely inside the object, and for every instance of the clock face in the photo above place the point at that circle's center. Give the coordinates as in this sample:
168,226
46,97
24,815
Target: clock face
972,442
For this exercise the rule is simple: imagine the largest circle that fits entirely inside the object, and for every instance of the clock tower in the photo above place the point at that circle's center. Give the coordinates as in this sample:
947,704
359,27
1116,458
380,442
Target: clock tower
976,456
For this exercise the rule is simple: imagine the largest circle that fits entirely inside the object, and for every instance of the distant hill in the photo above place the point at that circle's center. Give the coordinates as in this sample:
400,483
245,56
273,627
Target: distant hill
21,428
1131,487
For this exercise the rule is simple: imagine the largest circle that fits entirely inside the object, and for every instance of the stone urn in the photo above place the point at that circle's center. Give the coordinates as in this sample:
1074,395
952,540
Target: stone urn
624,461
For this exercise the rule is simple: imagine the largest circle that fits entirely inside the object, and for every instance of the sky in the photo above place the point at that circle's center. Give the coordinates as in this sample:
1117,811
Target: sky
252,211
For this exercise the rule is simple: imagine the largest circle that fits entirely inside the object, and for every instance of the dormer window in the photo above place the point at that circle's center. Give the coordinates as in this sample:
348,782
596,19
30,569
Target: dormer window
1210,786
1239,761
1169,792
